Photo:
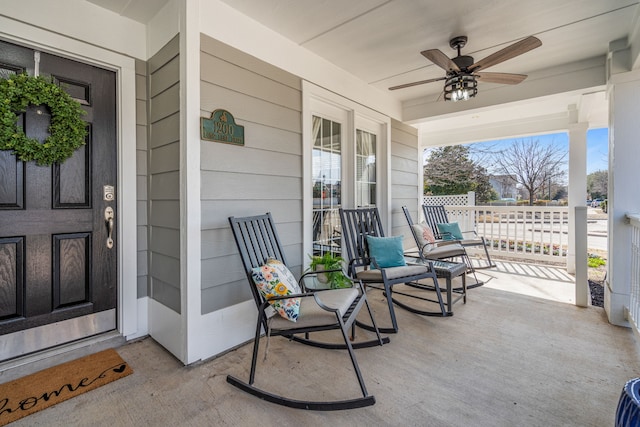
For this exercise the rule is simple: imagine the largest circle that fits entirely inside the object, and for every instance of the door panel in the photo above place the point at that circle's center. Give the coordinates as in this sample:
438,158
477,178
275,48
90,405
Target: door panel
11,276
54,261
11,185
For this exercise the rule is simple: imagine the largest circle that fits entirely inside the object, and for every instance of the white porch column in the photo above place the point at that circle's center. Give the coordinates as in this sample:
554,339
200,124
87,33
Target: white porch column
624,179
190,221
577,184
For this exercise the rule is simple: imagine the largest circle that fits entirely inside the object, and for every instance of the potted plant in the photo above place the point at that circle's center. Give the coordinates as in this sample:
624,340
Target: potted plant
329,261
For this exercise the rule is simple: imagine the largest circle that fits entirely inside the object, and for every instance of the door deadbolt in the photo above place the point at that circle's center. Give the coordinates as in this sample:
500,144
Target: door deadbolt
108,193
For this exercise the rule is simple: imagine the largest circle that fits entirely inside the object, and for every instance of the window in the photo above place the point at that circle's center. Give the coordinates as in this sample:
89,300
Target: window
365,169
343,152
326,172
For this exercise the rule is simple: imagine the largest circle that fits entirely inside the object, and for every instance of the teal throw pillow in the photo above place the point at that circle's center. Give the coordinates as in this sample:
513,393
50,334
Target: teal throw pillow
387,251
450,231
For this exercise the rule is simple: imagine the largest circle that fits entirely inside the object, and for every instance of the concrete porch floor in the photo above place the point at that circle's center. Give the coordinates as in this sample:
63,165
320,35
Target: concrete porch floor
516,354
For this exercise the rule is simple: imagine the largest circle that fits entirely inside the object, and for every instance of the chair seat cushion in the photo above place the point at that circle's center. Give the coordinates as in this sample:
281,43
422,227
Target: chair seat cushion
472,242
311,314
392,273
445,251
274,279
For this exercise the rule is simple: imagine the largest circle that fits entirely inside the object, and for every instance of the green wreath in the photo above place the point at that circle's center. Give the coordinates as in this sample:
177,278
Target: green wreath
67,130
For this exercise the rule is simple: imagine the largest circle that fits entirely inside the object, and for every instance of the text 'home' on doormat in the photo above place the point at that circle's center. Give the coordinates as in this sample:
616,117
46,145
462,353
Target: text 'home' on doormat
45,388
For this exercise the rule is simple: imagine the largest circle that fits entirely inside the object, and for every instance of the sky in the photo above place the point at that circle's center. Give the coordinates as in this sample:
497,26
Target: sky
597,146
597,150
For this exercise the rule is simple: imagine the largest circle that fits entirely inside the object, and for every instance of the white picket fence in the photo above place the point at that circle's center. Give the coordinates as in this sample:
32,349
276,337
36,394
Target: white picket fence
521,232
634,297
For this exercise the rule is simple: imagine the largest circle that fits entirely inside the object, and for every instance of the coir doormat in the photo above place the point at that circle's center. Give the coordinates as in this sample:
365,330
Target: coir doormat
38,391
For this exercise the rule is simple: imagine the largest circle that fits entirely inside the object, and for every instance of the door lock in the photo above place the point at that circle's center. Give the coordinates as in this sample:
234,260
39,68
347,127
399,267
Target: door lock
108,218
108,193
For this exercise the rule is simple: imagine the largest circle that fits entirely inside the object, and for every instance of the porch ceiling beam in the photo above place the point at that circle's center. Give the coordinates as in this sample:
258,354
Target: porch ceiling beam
577,76
500,130
547,115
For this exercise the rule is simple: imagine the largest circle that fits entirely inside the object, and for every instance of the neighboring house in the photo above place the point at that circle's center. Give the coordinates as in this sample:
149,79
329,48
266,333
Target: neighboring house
174,272
504,186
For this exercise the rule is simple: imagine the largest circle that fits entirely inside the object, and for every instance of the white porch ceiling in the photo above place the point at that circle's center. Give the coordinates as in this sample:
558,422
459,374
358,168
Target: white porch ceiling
379,41
138,10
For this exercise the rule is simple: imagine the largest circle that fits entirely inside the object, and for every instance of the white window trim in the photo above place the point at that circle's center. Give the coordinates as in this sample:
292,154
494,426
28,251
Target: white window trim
321,102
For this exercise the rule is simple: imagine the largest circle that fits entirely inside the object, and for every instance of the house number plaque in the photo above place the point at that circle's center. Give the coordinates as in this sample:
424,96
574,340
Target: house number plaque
221,127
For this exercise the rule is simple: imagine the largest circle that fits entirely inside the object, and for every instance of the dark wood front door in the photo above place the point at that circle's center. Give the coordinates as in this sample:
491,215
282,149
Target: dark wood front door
58,278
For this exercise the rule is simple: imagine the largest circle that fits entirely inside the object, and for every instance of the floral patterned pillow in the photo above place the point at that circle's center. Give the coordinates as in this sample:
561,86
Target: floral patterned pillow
274,279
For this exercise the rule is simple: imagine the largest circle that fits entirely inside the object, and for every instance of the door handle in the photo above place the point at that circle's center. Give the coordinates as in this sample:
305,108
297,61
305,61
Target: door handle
108,218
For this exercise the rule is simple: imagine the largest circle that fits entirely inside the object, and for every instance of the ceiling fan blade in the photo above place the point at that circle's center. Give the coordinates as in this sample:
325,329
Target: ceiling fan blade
421,82
508,52
502,78
440,59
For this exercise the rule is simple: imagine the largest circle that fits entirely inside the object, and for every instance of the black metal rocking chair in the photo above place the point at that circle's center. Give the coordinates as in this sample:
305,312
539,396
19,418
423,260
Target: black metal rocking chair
257,242
440,250
437,214
357,224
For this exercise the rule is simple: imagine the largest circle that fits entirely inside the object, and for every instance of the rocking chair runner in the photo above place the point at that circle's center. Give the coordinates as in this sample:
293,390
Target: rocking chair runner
357,224
437,214
257,242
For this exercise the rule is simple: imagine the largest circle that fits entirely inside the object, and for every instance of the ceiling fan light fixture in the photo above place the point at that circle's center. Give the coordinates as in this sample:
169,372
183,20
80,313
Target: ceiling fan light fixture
460,87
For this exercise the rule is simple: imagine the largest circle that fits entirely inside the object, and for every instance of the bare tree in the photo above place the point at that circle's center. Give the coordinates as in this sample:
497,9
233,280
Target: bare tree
532,165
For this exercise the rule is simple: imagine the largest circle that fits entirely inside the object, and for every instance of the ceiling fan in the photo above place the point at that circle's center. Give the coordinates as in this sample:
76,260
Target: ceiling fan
463,74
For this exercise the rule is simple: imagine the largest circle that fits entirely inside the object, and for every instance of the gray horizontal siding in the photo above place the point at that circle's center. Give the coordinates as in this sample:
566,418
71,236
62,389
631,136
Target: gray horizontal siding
164,176
241,186
165,131
244,81
213,47
264,175
164,214
247,108
142,225
165,77
254,160
164,55
215,213
164,185
163,240
404,177
165,103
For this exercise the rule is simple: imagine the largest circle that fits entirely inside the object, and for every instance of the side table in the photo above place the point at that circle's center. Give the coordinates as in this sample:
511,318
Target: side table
448,271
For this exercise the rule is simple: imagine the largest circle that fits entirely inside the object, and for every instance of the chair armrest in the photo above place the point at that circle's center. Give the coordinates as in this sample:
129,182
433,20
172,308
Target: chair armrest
358,262
452,239
279,297
423,261
412,253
